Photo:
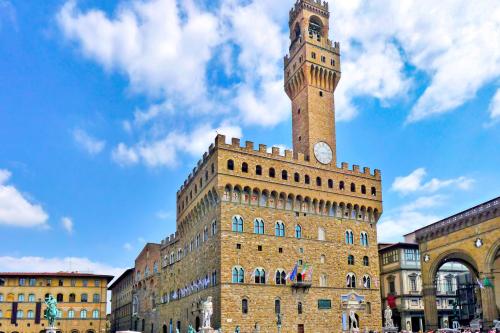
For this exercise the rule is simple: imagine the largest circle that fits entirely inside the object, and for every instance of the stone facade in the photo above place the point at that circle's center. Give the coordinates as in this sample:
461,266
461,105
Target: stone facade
121,301
246,217
81,299
145,313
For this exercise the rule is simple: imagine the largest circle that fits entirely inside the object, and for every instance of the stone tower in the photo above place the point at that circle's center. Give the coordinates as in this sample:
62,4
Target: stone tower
312,72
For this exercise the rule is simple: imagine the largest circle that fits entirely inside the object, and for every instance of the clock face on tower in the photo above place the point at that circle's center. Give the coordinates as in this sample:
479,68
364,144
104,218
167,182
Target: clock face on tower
323,152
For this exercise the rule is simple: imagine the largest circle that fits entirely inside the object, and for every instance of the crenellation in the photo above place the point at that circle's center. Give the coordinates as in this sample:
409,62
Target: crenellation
249,145
275,151
344,166
366,171
355,168
235,142
262,148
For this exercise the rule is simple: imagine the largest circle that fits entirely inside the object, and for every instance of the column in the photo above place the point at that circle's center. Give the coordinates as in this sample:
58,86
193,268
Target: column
488,304
430,308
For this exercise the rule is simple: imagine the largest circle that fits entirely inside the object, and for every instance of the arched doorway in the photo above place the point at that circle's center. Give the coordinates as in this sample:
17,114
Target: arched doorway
164,329
197,324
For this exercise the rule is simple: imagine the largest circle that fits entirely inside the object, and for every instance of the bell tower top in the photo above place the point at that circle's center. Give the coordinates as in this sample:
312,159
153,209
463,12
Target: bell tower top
312,72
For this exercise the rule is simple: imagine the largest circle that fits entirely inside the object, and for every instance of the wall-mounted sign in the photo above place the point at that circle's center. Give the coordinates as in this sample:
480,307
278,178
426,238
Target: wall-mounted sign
324,304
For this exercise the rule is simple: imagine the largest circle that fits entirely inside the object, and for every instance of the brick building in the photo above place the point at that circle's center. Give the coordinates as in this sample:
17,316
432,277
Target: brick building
270,236
81,299
121,301
145,317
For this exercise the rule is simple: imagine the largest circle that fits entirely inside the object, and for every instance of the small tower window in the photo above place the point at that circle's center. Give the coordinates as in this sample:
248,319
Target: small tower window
307,180
298,111
272,173
244,167
341,185
230,165
258,170
323,59
330,183
332,62
363,189
313,55
318,181
296,177
320,94
284,175
353,187
374,191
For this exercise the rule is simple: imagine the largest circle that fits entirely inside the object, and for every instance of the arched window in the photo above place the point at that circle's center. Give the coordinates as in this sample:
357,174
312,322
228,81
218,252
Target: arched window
95,314
366,281
258,226
20,313
280,277
350,259
321,234
31,298
238,274
83,313
30,314
322,280
230,164
374,191
214,227
366,261
299,308
341,185
272,173
96,298
72,298
296,30
60,298
260,276
318,181
1,314
280,229
1,297
315,27
351,280
71,313
244,167
349,237
244,306
353,187
20,298
364,239
84,298
277,306
307,180
298,231
296,177
330,183
284,175
363,189
237,223
258,170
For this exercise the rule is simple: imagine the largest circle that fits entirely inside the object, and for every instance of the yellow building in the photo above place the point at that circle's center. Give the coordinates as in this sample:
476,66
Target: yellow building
288,238
81,299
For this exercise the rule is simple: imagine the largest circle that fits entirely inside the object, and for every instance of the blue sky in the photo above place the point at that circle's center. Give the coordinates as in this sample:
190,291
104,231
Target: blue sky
106,107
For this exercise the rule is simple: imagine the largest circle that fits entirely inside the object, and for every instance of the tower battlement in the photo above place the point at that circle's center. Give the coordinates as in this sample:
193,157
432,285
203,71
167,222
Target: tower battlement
317,6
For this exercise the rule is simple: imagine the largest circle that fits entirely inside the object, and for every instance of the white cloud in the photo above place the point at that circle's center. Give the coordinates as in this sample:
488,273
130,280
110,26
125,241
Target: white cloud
57,264
161,52
495,106
393,227
165,151
456,38
127,246
16,209
414,182
92,145
67,224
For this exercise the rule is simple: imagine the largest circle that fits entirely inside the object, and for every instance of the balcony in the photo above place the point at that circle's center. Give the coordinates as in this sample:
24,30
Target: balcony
301,284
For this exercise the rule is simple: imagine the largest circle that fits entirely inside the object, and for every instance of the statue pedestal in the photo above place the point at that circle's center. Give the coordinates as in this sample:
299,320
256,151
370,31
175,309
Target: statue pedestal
207,330
390,329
